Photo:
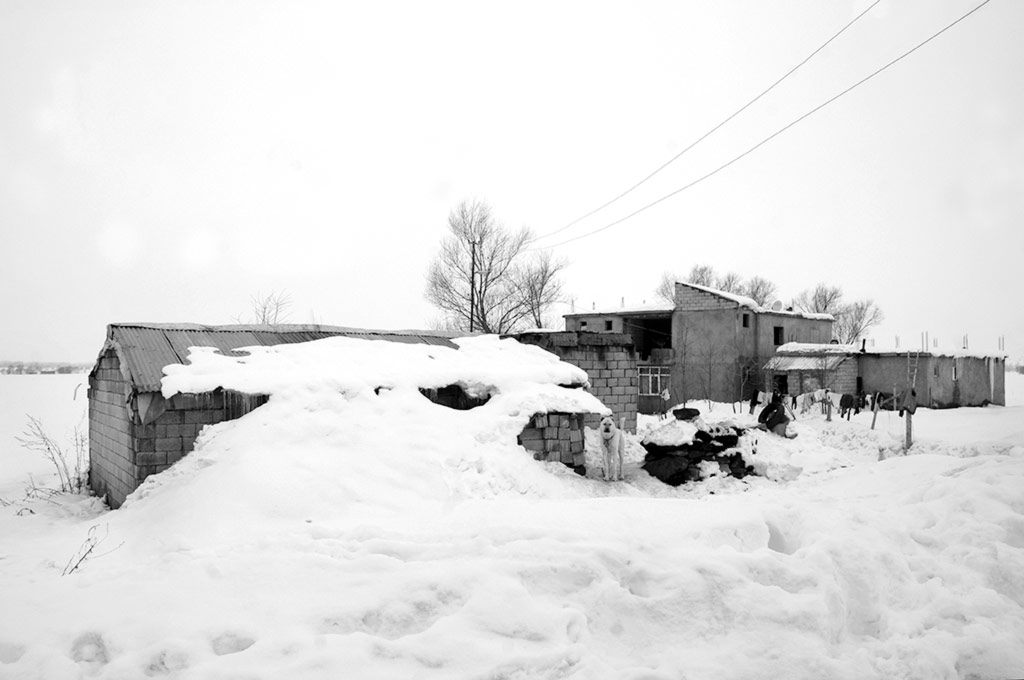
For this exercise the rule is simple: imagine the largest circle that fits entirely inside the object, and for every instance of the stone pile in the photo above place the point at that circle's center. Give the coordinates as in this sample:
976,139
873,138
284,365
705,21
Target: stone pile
686,460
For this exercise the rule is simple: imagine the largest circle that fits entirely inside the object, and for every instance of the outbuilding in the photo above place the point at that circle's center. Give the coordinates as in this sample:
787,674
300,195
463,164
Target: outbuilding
135,432
941,379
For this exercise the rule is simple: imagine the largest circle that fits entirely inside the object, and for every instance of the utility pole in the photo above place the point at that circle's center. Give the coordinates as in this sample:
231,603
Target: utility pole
472,283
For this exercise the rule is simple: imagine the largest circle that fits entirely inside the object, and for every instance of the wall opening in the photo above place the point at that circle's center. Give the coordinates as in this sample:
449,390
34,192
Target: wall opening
454,397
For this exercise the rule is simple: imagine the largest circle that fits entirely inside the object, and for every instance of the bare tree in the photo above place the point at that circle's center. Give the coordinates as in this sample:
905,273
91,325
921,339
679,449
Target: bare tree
702,275
760,290
478,280
539,285
271,308
854,319
729,283
709,367
823,299
666,289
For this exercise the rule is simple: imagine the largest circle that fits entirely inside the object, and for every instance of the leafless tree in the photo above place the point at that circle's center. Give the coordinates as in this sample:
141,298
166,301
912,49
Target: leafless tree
854,319
479,279
823,299
702,275
666,289
709,367
539,285
760,289
271,308
729,283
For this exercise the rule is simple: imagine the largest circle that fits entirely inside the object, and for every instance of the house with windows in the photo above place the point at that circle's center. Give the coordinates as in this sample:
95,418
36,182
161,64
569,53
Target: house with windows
941,379
706,344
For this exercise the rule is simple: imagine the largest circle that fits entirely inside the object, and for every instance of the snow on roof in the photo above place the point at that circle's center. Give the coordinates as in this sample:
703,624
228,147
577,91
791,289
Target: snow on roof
668,307
652,308
750,303
145,348
525,374
816,348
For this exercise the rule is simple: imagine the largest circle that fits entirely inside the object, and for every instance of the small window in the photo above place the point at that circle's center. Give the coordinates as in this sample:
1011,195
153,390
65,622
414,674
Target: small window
746,321
780,335
583,325
608,324
653,380
954,370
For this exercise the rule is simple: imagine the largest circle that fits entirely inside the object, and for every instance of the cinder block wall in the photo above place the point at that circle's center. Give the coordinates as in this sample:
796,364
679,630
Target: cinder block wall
123,451
610,362
111,468
162,443
555,437
613,380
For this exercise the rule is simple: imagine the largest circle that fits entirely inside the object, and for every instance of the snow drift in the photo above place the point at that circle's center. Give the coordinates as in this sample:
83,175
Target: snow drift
339,531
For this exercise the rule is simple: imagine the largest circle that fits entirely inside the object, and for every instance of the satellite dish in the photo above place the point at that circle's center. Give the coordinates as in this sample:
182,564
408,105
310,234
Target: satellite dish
777,306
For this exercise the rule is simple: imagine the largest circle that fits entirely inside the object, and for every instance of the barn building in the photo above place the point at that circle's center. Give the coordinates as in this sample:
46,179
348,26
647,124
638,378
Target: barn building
940,379
134,432
707,344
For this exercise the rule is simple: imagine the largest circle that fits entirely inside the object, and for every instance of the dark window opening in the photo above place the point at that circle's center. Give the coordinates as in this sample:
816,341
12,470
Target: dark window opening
746,321
779,335
651,337
608,325
583,325
453,396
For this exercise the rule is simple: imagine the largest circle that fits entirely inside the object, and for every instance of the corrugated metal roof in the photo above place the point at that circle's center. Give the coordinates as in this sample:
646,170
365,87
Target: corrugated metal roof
145,348
805,363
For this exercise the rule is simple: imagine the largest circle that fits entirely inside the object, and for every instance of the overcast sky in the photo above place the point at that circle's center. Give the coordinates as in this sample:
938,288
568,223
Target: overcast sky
165,161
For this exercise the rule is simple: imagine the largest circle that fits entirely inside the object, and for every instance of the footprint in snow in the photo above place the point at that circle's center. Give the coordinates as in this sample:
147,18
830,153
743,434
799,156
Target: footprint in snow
231,643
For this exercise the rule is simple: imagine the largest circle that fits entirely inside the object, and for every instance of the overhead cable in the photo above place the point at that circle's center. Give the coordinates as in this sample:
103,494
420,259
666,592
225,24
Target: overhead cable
771,136
714,129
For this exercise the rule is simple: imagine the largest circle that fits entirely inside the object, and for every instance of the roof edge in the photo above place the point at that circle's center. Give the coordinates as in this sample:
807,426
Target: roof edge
278,328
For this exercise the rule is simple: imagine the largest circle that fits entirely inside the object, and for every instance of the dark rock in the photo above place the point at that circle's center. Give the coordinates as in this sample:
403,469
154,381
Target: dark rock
679,464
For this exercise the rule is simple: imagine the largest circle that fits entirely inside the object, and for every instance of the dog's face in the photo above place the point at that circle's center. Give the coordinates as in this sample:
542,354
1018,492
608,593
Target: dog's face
607,427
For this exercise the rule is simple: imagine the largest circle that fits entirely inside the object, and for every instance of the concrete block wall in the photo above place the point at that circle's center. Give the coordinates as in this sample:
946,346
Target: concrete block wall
845,377
162,443
691,299
555,437
610,362
841,380
123,451
111,468
613,380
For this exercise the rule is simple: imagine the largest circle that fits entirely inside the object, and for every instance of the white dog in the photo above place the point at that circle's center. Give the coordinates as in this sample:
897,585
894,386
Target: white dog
613,449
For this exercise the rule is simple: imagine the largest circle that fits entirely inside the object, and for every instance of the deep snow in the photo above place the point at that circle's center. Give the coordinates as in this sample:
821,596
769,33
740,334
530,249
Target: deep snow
380,536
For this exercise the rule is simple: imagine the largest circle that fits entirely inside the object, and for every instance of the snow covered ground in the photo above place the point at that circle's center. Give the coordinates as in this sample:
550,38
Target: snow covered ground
362,535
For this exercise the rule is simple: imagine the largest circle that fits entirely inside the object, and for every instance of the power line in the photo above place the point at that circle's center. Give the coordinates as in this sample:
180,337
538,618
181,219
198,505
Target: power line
714,129
770,137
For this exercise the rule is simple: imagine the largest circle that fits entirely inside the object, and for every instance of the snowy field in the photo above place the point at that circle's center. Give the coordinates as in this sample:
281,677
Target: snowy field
354,535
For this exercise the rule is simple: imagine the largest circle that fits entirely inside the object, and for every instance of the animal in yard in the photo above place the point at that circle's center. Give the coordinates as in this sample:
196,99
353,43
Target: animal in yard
847,404
613,448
